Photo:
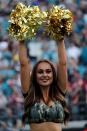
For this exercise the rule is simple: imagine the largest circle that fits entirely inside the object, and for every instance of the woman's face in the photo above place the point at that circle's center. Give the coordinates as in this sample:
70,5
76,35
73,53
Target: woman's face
44,74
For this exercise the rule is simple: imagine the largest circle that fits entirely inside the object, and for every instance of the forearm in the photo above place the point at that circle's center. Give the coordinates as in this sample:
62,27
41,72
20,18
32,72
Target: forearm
62,67
25,67
62,52
22,53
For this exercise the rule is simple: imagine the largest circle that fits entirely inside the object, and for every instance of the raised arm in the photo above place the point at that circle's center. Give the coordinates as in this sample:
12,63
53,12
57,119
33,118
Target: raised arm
24,67
62,67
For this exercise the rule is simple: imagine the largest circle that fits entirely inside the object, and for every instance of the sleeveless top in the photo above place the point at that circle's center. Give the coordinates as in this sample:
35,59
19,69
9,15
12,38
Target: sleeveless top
40,112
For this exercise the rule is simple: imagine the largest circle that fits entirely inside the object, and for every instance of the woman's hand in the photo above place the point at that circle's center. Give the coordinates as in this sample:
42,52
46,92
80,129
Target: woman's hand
21,42
60,42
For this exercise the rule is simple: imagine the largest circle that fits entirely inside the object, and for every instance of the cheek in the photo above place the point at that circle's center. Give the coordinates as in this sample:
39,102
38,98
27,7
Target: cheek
51,76
38,78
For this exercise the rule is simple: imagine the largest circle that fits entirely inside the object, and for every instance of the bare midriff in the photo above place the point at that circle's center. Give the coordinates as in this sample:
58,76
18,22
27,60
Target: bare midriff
46,126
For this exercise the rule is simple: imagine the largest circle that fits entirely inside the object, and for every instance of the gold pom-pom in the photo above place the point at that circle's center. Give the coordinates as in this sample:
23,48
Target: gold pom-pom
25,21
59,23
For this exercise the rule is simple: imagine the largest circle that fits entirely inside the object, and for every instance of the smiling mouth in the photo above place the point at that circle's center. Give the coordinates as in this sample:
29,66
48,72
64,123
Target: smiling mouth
44,80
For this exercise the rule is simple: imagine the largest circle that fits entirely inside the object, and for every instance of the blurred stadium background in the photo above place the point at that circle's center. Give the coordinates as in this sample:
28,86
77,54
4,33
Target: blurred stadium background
11,99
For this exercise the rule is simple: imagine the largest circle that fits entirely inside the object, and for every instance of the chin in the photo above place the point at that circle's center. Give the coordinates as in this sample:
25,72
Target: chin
45,85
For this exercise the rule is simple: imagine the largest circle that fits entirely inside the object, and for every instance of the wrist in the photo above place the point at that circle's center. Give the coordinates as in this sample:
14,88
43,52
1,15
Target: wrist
59,42
21,42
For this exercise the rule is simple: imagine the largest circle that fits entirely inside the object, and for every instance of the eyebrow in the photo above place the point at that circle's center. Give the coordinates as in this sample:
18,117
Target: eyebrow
46,69
41,70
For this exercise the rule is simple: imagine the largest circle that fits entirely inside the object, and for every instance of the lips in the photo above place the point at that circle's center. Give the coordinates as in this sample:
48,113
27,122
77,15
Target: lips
45,80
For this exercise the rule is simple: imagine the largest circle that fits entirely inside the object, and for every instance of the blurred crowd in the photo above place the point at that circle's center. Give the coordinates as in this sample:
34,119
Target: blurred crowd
11,99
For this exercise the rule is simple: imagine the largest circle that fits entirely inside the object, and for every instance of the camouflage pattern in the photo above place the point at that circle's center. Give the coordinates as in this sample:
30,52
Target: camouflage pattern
40,112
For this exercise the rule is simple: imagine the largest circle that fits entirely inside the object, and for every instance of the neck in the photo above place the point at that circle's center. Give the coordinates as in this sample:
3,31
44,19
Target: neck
45,93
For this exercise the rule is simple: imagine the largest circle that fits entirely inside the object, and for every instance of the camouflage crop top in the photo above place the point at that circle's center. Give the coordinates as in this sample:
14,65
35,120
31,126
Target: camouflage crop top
40,112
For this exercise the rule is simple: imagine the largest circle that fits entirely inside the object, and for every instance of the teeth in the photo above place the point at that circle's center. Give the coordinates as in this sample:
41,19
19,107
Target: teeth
44,80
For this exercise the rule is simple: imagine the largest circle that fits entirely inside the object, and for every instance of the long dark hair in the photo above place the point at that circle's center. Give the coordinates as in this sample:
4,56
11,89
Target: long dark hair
35,94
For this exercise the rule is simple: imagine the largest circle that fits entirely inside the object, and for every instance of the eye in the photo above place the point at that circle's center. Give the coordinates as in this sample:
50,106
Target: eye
40,71
48,71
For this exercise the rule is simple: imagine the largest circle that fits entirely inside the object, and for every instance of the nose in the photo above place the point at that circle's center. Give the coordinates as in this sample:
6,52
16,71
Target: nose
44,73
